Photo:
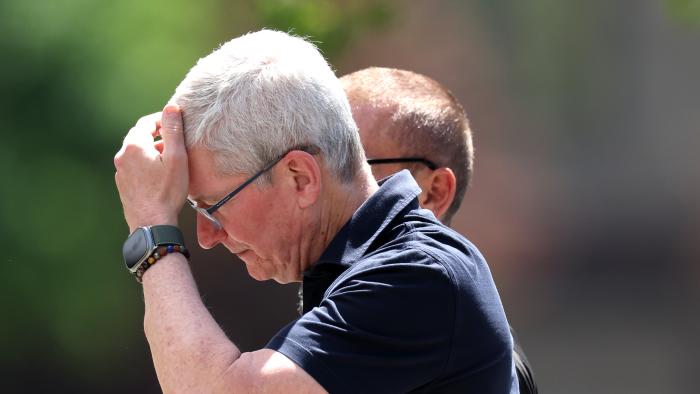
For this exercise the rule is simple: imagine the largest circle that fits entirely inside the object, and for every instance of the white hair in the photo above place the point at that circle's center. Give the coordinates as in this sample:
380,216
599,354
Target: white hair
262,94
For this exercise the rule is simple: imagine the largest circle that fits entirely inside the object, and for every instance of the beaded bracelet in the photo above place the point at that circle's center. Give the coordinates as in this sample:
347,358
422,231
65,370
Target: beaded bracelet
160,252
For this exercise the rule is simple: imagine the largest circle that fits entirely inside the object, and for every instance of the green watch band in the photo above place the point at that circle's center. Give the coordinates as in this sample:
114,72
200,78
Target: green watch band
167,235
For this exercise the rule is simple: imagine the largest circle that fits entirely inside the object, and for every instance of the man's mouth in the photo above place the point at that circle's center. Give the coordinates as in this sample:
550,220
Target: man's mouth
239,252
236,250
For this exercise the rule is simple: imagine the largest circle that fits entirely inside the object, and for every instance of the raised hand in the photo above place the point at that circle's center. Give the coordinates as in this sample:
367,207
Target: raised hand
152,175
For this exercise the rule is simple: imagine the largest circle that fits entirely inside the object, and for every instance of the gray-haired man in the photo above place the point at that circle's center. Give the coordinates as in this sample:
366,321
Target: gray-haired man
269,156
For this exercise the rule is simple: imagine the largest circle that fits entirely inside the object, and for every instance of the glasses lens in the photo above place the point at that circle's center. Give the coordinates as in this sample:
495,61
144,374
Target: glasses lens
209,216
204,213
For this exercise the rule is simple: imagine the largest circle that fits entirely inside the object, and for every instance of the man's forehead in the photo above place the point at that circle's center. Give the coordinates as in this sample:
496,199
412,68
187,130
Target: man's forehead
200,161
206,182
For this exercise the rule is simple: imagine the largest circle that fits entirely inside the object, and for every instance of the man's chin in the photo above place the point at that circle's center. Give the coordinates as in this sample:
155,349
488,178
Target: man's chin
252,265
262,276
257,276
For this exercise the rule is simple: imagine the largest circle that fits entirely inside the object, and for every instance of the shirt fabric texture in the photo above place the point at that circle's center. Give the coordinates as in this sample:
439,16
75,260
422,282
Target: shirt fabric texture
399,302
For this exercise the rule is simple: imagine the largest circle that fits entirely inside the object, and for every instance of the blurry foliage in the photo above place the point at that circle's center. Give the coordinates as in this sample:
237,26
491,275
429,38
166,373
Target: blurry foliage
330,24
75,76
685,11
552,52
568,64
564,58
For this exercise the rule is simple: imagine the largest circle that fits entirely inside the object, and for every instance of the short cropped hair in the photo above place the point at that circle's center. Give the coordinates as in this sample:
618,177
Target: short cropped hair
262,94
426,119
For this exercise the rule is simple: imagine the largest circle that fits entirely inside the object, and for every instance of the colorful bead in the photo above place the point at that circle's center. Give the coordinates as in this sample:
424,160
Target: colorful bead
159,253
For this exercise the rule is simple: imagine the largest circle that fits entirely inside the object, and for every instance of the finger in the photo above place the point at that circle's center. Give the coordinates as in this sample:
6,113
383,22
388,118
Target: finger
171,130
151,120
156,132
159,146
146,125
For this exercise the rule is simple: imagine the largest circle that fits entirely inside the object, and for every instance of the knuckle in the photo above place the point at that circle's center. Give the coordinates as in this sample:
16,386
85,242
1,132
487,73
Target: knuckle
119,158
168,123
147,118
145,123
130,149
132,131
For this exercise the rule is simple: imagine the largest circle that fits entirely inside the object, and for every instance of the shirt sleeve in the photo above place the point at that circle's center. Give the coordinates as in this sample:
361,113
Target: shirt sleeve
382,328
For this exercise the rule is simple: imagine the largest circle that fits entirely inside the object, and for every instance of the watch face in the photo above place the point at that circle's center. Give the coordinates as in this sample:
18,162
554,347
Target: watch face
136,247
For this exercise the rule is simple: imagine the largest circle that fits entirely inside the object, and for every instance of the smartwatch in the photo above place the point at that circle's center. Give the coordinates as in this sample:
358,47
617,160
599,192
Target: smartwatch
148,244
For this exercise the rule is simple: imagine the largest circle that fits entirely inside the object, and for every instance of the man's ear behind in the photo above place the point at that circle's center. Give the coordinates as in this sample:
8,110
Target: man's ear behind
439,190
304,175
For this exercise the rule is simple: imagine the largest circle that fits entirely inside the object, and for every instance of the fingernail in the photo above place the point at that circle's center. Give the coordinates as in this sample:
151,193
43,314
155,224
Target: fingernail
171,109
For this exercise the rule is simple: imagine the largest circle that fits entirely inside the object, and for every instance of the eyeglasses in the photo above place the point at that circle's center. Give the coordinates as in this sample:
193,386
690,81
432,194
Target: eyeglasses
421,160
209,212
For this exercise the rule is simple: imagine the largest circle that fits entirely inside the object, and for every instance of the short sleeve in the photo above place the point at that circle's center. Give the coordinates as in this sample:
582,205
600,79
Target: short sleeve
385,327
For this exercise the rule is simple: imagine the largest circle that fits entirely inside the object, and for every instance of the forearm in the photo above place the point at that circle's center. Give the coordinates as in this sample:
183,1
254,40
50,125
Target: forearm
190,351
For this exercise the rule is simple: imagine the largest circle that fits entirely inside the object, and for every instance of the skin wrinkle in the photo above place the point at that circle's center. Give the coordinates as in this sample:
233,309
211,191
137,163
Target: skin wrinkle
305,246
335,220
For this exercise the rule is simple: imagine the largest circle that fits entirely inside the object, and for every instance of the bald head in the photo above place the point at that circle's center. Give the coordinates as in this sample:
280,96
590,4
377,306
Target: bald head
404,114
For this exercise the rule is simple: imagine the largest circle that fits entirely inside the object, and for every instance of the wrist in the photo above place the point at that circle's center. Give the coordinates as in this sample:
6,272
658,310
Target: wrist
165,271
154,220
146,245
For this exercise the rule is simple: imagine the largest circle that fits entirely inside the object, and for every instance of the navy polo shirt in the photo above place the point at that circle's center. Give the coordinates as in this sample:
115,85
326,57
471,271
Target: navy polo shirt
399,302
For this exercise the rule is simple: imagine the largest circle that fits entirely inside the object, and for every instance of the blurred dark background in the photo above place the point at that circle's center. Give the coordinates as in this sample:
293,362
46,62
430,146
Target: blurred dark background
585,198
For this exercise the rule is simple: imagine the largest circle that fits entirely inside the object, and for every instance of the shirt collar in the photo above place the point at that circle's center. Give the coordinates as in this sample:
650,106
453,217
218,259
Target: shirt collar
355,237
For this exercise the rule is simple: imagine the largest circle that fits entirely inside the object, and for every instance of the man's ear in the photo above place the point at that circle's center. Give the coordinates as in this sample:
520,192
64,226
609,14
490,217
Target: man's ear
439,189
303,175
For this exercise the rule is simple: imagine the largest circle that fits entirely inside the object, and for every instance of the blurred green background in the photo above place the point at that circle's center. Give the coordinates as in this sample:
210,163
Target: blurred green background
584,202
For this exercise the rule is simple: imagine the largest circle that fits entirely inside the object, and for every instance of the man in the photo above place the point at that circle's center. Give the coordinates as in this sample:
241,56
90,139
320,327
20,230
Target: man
409,121
259,139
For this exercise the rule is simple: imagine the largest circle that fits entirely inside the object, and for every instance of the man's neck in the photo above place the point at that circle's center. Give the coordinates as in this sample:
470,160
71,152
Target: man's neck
338,203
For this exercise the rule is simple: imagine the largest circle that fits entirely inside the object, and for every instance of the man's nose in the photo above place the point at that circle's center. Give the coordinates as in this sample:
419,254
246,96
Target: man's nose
208,234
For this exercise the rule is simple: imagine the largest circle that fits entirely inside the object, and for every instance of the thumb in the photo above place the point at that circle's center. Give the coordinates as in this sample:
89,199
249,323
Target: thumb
171,129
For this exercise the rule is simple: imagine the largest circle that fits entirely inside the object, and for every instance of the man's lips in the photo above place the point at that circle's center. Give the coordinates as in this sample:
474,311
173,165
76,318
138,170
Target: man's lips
237,250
